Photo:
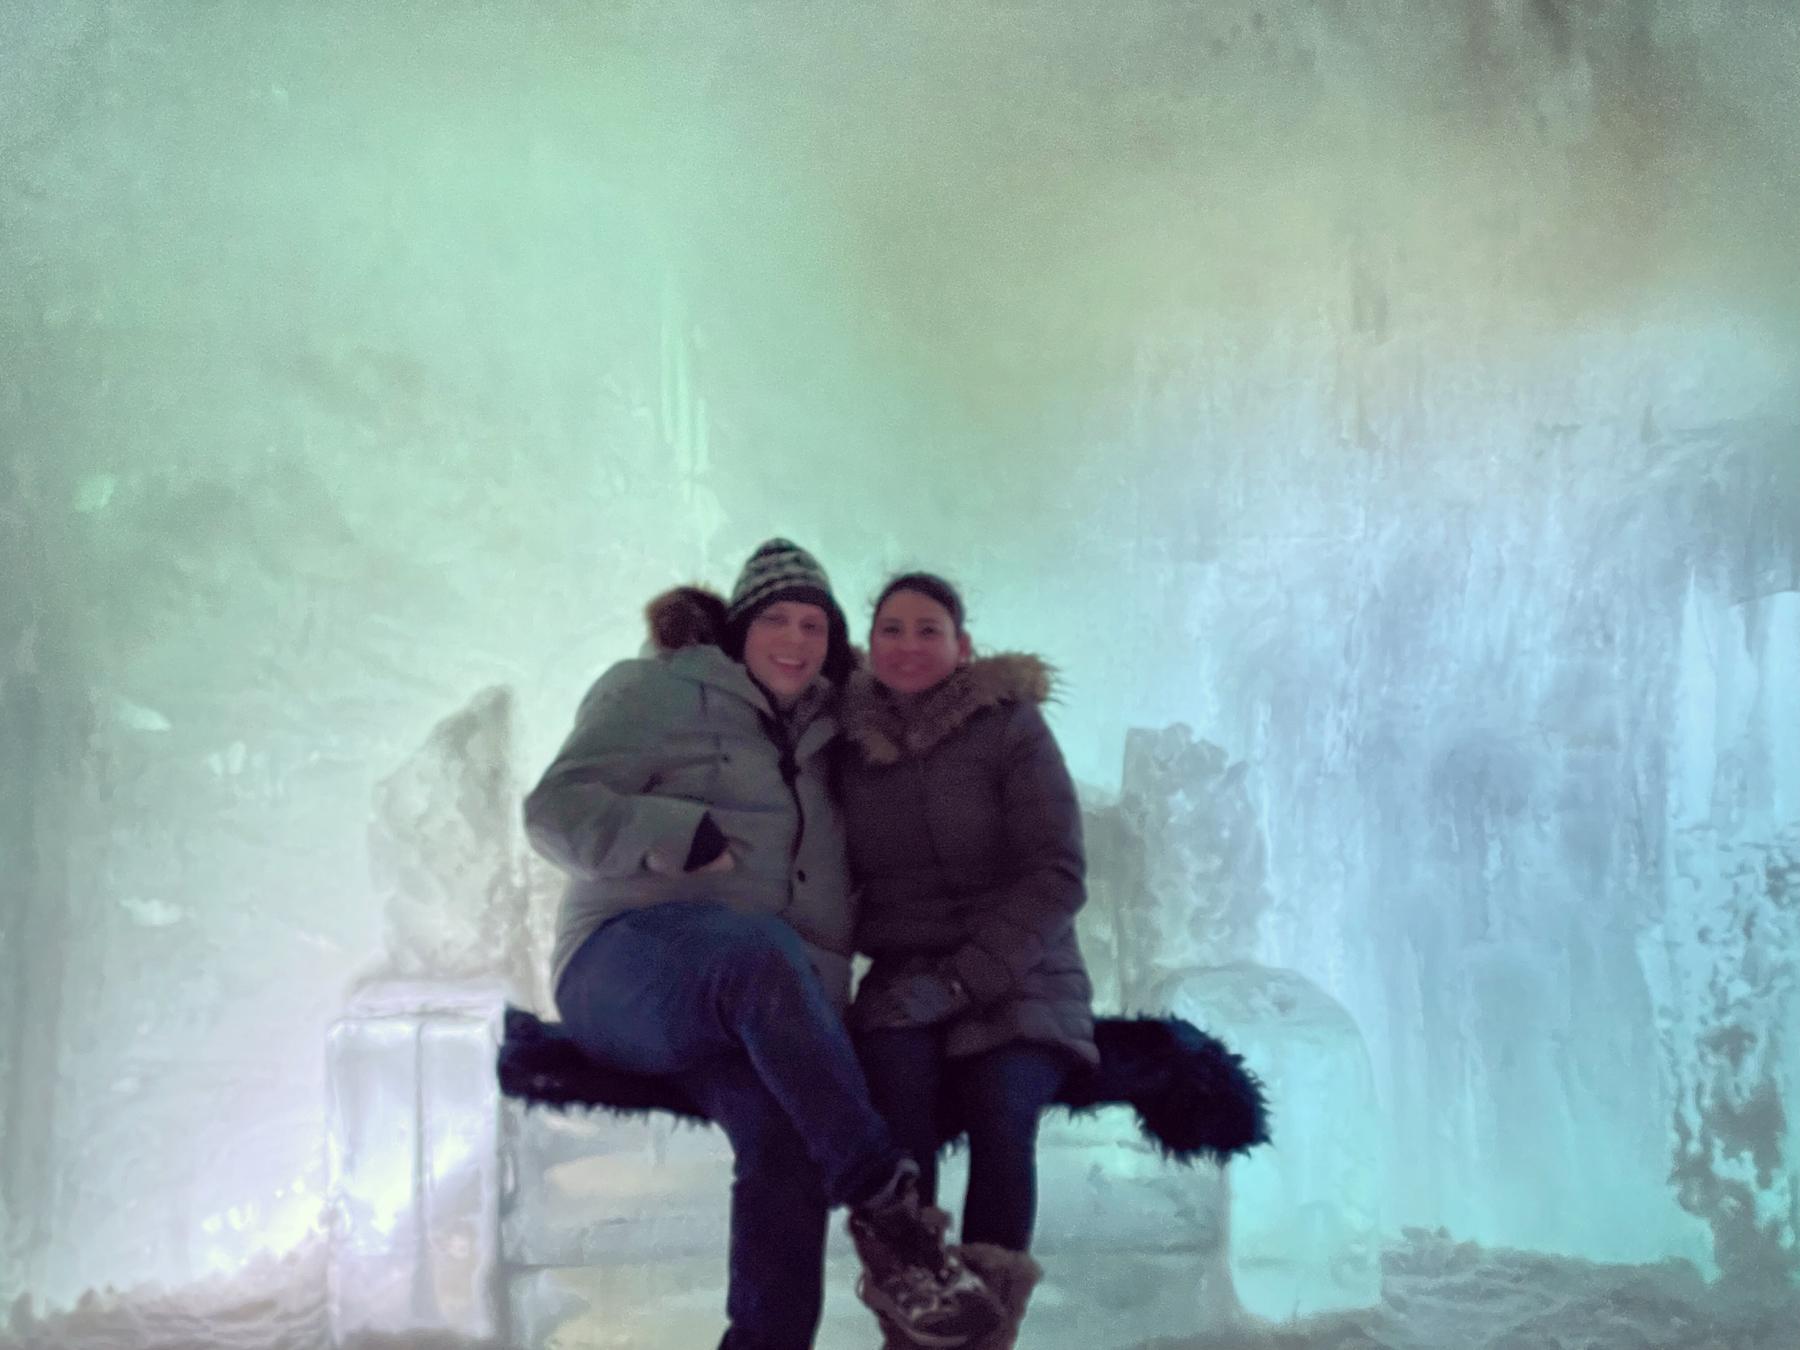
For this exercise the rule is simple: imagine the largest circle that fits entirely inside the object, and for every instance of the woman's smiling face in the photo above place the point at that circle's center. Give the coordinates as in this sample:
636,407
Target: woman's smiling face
913,643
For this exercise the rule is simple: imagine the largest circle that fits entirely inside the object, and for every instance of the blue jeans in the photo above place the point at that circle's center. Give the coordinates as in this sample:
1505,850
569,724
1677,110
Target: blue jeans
998,1096
730,1005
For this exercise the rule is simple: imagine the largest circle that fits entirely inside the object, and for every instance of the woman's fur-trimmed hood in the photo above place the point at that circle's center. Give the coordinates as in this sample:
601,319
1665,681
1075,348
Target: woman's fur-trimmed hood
874,725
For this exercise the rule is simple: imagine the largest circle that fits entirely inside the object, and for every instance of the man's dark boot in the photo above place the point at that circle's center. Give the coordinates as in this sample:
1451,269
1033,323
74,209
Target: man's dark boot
912,1284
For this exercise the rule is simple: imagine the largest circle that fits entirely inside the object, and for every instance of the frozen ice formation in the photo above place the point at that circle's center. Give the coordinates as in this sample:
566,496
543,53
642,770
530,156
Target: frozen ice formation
445,851
456,1212
1721,953
1405,398
1180,890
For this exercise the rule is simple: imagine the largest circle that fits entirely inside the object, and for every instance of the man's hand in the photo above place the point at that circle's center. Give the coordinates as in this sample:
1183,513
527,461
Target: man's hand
709,851
723,863
918,1000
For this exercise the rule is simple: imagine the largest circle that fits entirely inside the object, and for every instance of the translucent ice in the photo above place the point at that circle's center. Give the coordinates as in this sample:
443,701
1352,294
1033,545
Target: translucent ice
1722,952
1181,889
455,1213
415,1162
445,853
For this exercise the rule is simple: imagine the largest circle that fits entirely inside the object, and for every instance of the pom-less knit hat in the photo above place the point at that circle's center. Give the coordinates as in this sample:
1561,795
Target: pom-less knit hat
781,570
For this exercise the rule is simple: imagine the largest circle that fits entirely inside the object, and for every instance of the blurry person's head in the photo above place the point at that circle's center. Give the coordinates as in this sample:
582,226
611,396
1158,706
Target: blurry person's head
917,638
783,623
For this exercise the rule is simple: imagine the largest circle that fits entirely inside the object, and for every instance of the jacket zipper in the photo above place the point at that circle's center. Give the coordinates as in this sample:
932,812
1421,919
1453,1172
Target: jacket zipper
789,768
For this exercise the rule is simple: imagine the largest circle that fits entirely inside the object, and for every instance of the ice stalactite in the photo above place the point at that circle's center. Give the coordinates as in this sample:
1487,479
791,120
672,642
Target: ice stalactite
1723,957
40,720
683,424
1738,1049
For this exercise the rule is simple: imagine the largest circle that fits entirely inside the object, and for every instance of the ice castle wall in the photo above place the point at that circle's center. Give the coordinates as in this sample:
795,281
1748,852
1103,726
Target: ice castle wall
1399,399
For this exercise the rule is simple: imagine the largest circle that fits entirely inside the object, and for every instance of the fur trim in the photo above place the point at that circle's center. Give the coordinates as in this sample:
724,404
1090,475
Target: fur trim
1193,1095
686,616
1010,1277
874,724
1194,1098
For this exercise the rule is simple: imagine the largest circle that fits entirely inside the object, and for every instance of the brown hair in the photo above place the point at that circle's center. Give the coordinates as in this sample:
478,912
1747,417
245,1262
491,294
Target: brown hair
932,587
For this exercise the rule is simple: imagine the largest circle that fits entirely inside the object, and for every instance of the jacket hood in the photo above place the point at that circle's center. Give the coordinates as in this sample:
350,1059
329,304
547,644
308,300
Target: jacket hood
685,616
874,724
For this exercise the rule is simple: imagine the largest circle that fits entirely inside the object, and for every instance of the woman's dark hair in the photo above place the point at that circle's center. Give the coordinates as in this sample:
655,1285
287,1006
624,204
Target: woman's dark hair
932,587
840,657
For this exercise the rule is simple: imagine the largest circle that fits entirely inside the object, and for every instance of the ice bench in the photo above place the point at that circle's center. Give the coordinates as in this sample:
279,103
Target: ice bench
457,1209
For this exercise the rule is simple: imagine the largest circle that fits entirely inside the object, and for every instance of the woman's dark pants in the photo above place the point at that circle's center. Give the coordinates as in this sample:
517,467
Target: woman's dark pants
999,1096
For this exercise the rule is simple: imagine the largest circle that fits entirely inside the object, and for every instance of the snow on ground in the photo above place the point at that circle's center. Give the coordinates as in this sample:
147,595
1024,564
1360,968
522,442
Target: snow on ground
1439,1294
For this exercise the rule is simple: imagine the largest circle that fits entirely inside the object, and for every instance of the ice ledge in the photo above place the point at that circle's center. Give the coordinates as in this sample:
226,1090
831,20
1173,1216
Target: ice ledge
432,998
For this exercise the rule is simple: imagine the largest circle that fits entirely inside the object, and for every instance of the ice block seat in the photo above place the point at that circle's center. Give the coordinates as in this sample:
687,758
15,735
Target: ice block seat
586,1210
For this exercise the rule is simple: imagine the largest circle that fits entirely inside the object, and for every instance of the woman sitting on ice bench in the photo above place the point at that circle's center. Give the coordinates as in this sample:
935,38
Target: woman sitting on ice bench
966,858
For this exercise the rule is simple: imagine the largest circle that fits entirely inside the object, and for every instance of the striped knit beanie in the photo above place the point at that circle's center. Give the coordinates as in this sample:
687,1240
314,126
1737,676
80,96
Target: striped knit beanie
779,570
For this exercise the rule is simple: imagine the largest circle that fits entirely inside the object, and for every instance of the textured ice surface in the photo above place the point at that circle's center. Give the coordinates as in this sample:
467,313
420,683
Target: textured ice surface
588,1187
415,1162
413,1118
444,847
1721,955
615,1234
1404,398
1180,894
1306,1211
1201,863
1439,1295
